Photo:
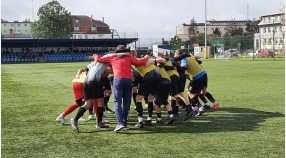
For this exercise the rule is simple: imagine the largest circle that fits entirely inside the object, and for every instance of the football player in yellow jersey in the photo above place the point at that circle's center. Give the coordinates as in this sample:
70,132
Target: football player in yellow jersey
201,109
175,84
161,96
78,95
151,80
199,80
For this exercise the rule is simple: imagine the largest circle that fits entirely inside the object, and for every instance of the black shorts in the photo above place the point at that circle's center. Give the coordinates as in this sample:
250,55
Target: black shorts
136,81
106,84
93,90
182,85
197,85
162,93
175,84
149,84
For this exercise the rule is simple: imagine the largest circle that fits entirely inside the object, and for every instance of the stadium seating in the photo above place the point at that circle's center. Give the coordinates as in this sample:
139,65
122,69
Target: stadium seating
64,56
12,58
49,57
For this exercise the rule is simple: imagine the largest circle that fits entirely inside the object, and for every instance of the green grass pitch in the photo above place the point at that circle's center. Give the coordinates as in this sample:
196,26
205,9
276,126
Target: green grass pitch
248,124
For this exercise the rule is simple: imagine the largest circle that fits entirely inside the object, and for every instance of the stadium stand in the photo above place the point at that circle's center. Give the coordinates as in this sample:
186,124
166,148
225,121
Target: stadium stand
20,58
69,55
63,56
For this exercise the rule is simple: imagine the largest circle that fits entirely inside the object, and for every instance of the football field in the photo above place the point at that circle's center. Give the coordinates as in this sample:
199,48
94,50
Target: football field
250,122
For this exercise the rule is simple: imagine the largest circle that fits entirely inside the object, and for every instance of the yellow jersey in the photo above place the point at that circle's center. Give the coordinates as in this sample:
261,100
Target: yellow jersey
81,78
171,72
142,70
194,68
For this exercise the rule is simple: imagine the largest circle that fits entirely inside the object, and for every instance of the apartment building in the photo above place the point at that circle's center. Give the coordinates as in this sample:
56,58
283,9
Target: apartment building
86,27
221,25
271,31
16,29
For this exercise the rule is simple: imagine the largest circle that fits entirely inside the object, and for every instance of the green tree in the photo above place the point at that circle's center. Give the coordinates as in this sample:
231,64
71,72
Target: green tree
217,32
176,43
233,29
164,41
252,26
193,28
54,22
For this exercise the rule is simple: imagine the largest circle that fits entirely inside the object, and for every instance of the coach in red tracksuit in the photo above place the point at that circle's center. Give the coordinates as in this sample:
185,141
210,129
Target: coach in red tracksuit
122,83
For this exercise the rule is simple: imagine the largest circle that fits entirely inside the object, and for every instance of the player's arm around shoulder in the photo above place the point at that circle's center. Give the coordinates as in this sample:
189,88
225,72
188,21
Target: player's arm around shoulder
142,61
104,59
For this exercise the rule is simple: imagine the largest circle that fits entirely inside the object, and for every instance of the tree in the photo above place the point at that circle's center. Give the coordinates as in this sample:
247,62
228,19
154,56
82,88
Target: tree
54,22
234,30
176,43
217,32
164,42
252,26
192,30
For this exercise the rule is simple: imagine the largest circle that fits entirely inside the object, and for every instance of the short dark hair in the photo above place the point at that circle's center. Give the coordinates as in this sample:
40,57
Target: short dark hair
121,47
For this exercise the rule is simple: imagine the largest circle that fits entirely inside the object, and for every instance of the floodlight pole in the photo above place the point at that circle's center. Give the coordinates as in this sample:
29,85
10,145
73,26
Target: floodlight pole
253,39
273,41
205,29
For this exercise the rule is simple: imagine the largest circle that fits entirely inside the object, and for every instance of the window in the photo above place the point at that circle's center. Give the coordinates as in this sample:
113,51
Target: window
218,29
269,41
225,29
5,30
257,43
79,36
276,18
281,40
264,19
74,36
5,24
276,40
19,31
264,41
76,28
26,30
19,25
94,28
264,30
212,29
25,24
12,25
269,30
280,28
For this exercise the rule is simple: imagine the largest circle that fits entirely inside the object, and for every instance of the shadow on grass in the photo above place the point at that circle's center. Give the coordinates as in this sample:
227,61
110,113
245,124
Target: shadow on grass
222,120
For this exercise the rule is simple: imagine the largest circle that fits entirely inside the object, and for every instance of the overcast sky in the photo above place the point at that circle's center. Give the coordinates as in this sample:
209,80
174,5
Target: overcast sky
150,16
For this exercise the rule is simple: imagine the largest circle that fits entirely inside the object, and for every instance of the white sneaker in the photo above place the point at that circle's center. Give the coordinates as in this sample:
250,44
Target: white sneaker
105,121
82,119
60,119
91,117
125,128
74,125
119,128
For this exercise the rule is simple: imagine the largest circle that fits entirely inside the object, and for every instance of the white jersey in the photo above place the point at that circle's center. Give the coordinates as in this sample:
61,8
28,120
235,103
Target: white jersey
95,71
